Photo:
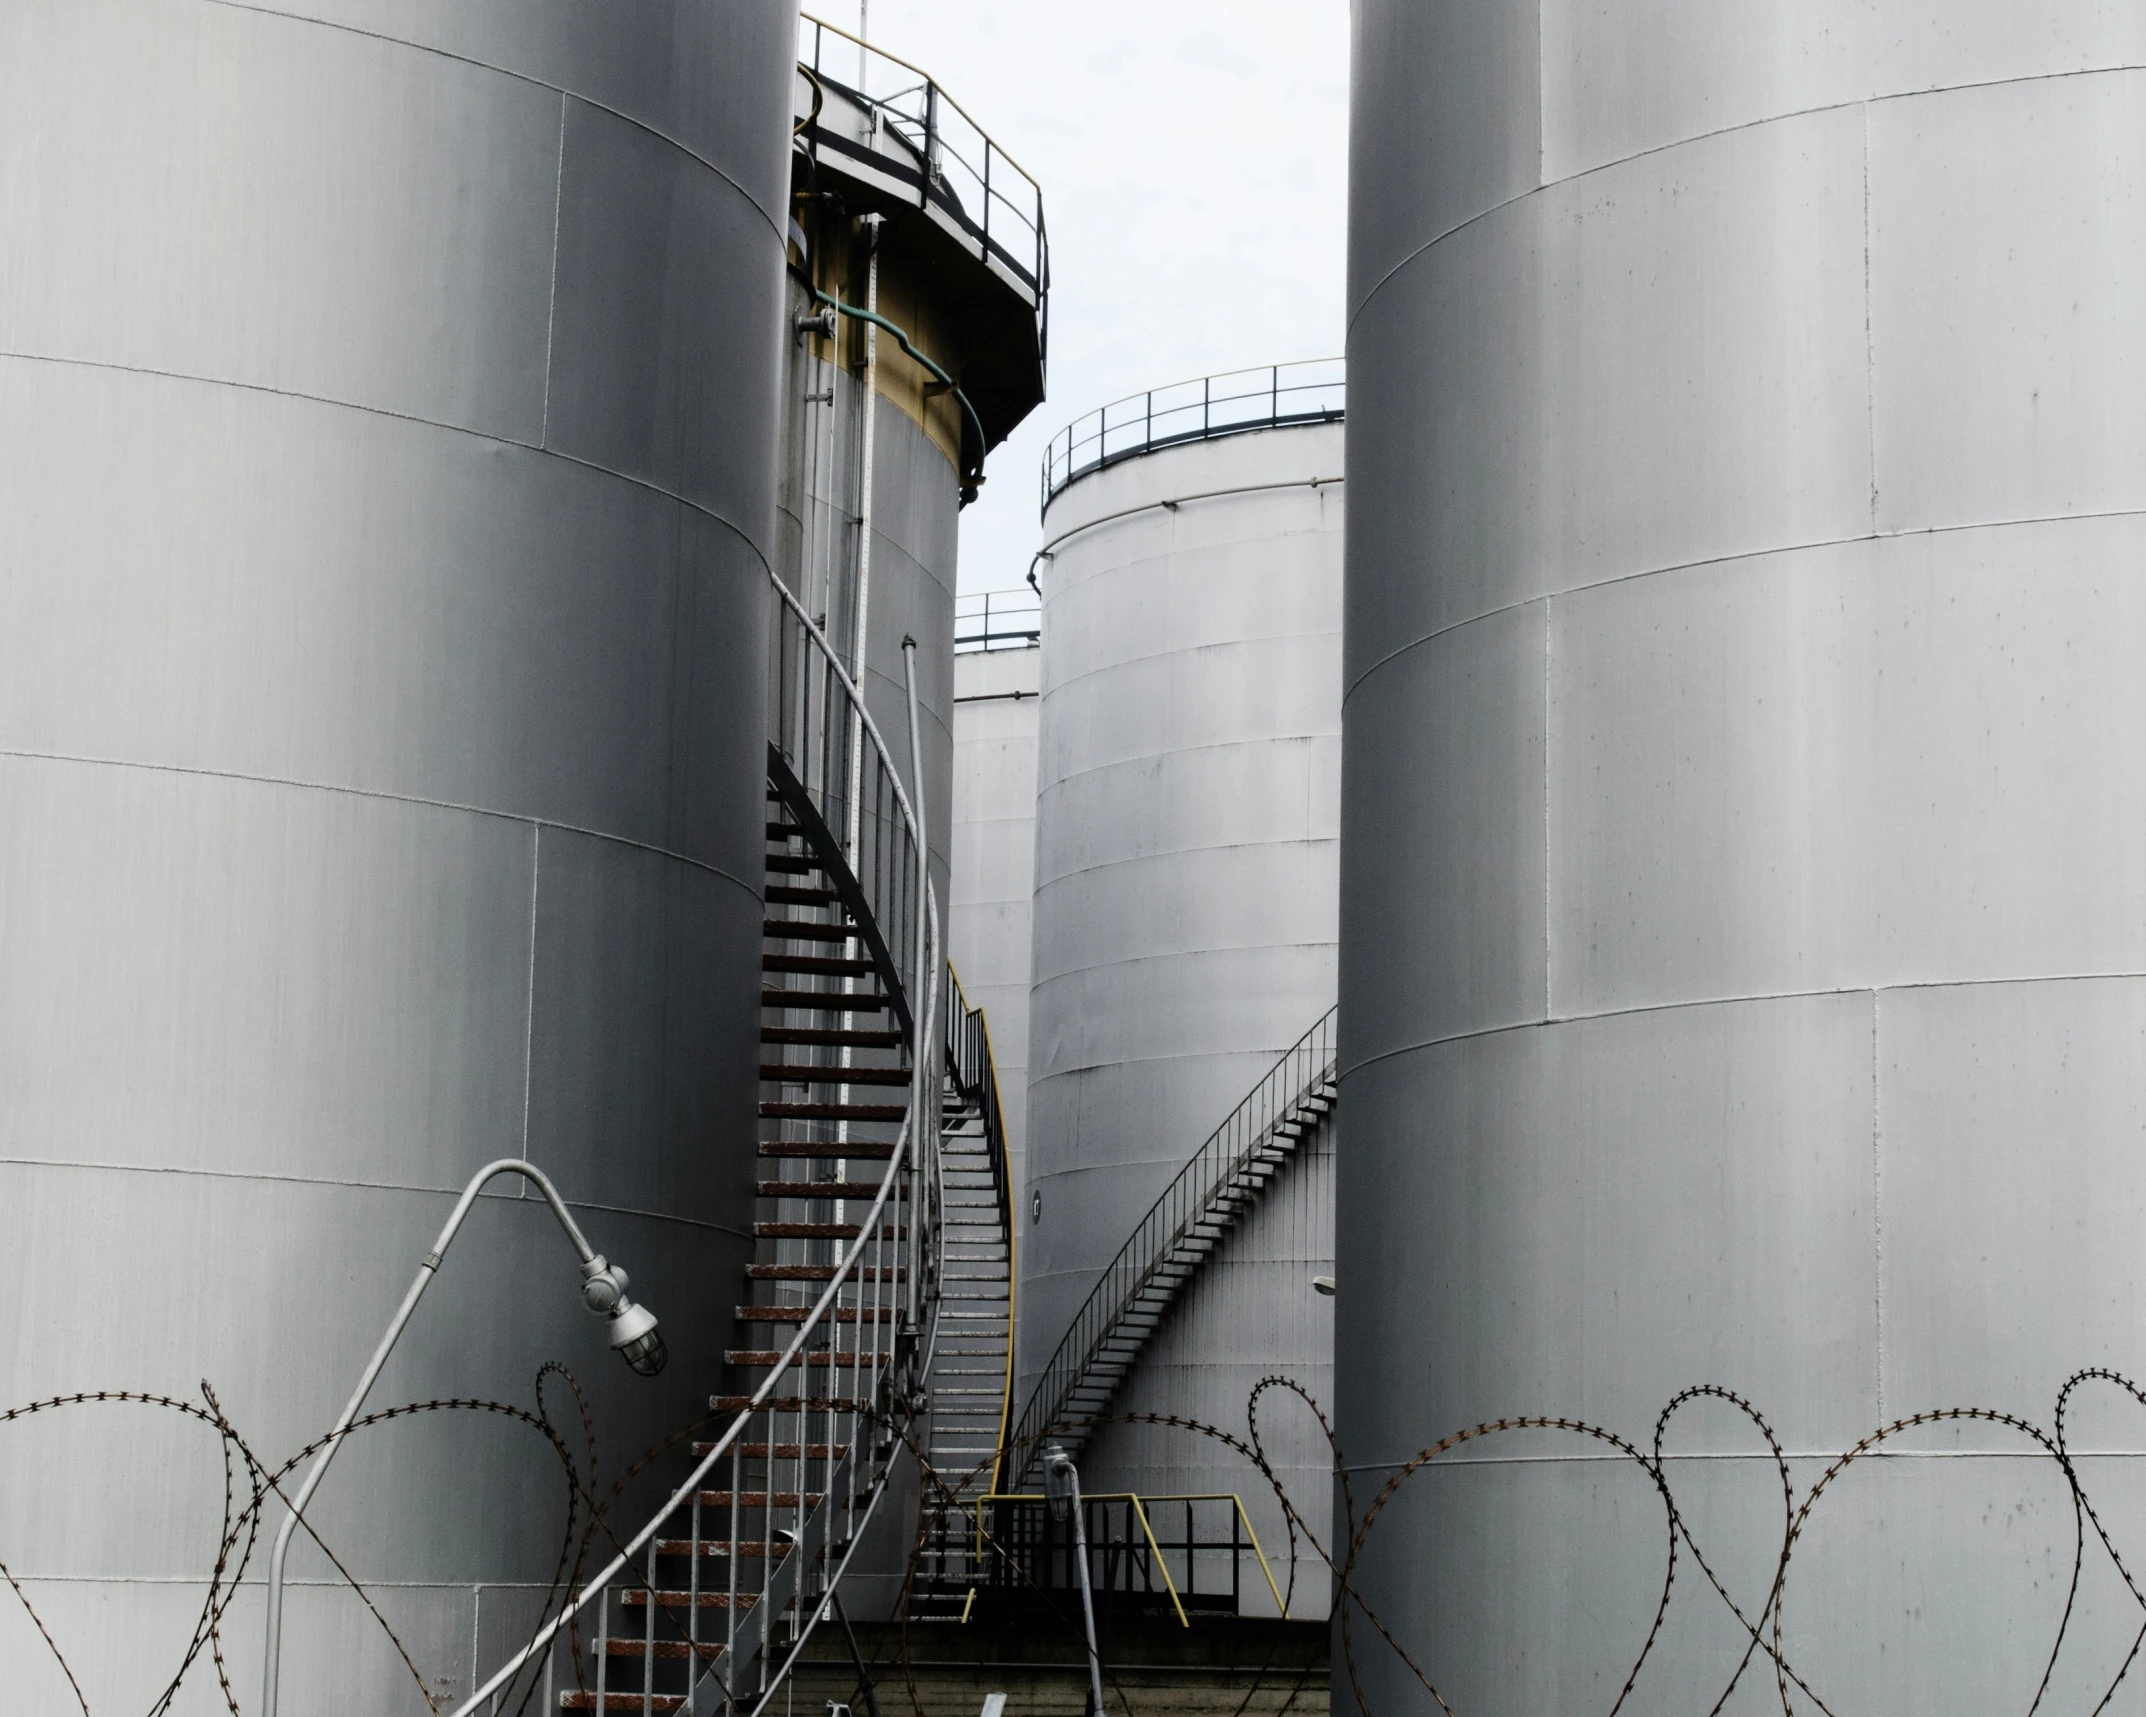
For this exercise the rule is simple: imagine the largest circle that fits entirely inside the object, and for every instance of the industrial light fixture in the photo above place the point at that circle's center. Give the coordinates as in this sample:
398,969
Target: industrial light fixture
1323,1285
603,1291
633,1327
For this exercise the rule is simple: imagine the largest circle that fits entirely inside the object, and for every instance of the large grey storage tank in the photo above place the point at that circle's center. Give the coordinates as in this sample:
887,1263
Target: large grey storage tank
387,458
1188,786
1742,908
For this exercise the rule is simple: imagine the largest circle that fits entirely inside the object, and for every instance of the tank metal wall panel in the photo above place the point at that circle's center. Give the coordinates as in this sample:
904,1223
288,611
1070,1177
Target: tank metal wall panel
2009,359
1740,914
387,456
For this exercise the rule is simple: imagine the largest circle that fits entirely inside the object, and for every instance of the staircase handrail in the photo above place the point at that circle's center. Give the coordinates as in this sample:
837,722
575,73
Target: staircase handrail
1296,1077
974,1069
878,1237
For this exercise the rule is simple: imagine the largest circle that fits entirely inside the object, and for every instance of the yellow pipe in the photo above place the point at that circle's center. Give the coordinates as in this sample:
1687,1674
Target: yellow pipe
1154,1549
1262,1555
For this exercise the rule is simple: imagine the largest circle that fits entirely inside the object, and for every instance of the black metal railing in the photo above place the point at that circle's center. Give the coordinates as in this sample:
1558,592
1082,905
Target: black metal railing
1207,1187
970,1069
1276,397
1177,1554
958,169
997,620
816,733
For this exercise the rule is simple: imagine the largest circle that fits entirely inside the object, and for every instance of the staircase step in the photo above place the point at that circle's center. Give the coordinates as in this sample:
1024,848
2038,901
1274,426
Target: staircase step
572,1700
822,1001
789,1404
805,930
719,1549
761,1499
815,1230
817,965
861,1151
831,1037
636,1598
798,1314
833,1111
782,864
819,1360
828,1189
821,1272
782,894
783,1451
615,1647
803,1073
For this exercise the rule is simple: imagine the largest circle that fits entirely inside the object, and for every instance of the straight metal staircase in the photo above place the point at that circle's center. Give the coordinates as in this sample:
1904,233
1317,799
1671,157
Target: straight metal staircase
1179,1233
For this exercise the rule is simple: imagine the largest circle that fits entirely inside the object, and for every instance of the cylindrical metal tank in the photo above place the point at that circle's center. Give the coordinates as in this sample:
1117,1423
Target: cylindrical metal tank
894,199
1188,786
1742,905
388,425
990,916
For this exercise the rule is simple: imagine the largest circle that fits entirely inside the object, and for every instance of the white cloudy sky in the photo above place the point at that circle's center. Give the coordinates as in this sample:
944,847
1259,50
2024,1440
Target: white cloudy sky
1192,155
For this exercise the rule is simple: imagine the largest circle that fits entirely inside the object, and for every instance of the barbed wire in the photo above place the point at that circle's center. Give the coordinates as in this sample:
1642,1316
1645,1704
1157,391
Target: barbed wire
589,1505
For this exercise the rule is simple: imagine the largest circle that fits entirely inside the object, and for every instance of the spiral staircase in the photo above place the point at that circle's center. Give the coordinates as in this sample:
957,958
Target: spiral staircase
875,1320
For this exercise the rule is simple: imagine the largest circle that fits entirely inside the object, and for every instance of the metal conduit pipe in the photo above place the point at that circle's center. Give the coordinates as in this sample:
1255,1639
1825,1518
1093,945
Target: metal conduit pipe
975,473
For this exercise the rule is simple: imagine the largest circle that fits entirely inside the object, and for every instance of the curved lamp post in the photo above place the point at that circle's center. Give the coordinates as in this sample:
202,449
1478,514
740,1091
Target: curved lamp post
603,1291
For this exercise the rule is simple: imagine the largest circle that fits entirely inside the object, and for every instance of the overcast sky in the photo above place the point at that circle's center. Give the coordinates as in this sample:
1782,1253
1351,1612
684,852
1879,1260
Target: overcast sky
1192,155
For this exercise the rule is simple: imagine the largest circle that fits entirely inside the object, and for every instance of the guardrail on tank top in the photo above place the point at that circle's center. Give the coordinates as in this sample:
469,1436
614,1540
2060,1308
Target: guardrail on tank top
959,169
1206,408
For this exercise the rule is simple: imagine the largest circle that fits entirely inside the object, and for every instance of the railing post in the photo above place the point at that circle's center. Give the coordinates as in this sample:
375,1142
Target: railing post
925,1025
932,171
1274,395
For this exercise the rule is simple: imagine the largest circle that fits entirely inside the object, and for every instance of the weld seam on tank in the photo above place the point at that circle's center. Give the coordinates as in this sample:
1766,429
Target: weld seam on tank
520,77
385,797
1756,998
2025,521
1787,117
332,403
1172,505
270,1178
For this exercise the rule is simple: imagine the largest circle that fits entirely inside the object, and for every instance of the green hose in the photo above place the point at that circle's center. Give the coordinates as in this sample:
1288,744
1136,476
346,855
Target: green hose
877,320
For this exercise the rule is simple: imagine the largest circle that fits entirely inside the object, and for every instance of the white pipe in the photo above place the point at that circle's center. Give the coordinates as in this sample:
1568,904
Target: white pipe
860,633
852,819
924,1021
272,1653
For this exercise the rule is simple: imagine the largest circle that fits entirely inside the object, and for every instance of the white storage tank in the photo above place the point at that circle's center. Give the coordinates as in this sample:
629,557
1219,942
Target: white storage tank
1742,917
998,681
1188,786
388,429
